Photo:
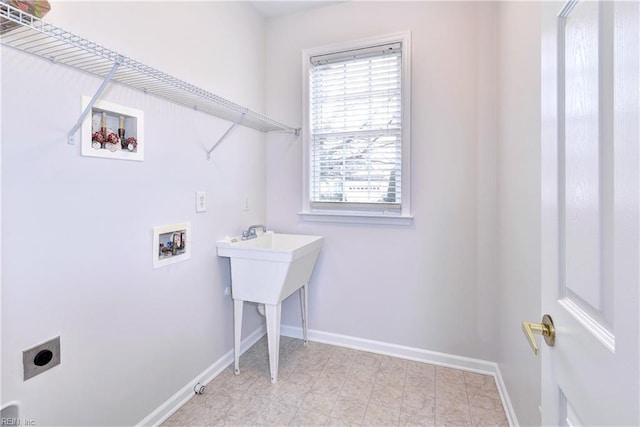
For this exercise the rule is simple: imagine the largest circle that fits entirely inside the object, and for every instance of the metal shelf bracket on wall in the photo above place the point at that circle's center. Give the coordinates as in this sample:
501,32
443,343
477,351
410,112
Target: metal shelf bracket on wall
27,33
224,135
71,137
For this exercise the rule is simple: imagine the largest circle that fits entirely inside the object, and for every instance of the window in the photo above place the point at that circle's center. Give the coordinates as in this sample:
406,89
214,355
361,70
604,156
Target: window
357,130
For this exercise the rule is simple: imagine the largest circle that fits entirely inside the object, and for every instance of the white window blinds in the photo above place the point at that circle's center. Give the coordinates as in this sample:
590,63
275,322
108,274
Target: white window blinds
356,128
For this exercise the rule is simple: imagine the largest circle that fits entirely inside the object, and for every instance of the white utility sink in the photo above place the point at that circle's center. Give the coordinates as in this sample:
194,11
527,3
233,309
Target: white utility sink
266,270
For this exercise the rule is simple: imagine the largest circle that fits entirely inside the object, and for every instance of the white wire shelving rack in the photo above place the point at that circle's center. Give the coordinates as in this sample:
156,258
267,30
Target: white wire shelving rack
37,37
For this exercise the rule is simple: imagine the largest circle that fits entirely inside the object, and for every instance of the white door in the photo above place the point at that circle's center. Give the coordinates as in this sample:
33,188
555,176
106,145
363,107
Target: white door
590,212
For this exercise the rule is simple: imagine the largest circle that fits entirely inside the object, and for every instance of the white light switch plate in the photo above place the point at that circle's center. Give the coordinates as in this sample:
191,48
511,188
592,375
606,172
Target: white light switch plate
201,201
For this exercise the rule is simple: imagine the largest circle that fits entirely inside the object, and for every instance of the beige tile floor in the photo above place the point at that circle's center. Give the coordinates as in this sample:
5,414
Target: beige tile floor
328,385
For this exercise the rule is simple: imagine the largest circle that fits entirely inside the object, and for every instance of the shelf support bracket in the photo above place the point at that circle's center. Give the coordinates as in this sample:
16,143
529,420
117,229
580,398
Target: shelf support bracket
71,137
224,135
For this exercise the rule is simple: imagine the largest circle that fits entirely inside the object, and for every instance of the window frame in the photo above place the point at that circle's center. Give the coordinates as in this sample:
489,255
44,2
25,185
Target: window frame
348,212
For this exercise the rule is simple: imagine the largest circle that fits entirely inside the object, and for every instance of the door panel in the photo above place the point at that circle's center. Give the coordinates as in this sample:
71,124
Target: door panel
568,414
590,212
578,64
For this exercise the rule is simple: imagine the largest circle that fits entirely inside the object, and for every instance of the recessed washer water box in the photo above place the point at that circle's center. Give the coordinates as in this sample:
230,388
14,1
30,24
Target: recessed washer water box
171,244
112,131
41,358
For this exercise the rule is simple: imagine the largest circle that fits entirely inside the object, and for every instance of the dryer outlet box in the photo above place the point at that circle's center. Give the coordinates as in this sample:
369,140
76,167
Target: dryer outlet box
41,358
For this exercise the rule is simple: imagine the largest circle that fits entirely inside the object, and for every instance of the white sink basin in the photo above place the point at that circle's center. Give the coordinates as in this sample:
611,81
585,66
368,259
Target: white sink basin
266,270
270,246
271,267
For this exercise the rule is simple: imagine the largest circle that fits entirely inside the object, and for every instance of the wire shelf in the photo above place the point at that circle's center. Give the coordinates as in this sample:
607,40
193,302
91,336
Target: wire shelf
37,37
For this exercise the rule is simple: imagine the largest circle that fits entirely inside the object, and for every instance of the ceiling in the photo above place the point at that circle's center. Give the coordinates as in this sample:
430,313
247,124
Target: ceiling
272,9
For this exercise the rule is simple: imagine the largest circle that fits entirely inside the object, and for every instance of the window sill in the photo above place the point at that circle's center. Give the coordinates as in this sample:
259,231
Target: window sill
356,218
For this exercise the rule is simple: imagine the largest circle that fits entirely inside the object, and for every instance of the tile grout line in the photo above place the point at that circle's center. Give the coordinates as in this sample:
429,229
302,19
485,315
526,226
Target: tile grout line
466,392
366,409
324,367
339,391
435,396
404,388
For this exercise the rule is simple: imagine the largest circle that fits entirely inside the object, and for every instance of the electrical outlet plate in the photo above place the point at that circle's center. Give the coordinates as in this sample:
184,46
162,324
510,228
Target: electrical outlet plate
201,201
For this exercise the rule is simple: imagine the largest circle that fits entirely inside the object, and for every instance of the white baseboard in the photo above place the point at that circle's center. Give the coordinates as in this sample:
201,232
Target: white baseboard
176,401
506,402
412,353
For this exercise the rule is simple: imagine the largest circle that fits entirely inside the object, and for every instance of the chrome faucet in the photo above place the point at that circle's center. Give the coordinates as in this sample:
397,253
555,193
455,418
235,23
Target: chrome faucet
251,233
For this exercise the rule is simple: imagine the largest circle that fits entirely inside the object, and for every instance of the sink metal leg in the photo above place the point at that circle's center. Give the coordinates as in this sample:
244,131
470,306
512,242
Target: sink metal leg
237,333
272,314
304,305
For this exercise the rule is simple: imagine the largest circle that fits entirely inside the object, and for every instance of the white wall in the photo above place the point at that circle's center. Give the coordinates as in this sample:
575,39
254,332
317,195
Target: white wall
77,231
519,202
429,285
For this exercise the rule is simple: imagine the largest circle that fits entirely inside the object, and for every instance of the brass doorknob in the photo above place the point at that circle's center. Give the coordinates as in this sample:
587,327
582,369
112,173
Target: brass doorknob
545,329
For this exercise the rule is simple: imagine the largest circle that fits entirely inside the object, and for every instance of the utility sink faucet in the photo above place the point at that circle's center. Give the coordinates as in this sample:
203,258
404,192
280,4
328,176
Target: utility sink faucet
251,233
